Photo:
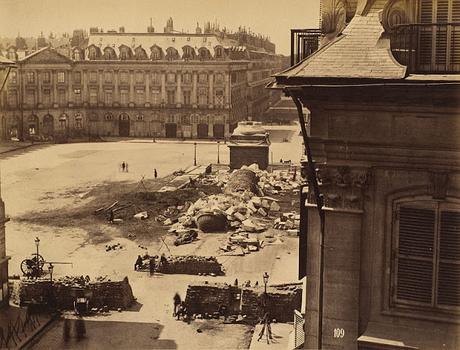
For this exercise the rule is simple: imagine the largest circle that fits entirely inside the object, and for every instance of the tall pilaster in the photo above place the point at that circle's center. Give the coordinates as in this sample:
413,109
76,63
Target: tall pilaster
335,279
163,87
147,76
194,97
179,88
211,90
131,86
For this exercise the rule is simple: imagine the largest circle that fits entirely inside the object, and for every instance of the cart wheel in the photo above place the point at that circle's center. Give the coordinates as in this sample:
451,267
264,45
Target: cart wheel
27,266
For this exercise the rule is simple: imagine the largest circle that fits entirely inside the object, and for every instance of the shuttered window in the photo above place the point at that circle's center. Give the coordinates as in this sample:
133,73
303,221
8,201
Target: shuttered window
427,255
439,47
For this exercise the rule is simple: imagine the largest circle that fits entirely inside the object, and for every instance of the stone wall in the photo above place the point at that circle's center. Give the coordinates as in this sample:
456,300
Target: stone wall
281,301
247,155
114,294
207,298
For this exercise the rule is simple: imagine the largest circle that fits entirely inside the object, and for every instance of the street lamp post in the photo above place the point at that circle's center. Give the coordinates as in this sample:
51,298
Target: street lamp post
266,328
194,157
265,277
50,269
218,152
37,259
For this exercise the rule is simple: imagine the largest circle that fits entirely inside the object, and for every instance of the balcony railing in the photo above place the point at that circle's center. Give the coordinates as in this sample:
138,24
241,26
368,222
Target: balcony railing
432,48
303,43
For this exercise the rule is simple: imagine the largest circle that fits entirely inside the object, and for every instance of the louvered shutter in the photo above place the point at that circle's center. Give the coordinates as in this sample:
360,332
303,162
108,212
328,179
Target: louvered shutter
442,16
439,45
449,259
414,263
455,36
426,34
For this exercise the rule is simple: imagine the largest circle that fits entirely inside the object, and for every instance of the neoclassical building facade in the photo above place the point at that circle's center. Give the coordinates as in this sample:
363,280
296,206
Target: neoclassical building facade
174,85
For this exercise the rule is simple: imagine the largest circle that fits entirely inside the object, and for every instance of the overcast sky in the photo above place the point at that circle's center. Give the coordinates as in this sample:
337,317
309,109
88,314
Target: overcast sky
270,17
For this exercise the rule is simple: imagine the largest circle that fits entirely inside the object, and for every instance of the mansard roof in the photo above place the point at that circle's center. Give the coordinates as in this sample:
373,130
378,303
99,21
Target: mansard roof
359,52
162,40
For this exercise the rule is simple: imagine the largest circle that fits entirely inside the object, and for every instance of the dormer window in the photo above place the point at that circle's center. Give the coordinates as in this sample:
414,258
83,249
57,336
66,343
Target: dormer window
219,52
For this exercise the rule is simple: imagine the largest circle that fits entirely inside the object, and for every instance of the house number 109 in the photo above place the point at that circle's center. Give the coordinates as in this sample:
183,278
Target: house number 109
339,332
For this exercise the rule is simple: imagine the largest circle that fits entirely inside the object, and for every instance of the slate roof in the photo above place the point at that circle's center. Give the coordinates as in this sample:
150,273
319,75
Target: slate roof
359,52
163,40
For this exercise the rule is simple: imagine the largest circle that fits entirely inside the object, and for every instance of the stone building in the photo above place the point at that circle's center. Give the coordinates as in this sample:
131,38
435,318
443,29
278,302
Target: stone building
170,84
382,237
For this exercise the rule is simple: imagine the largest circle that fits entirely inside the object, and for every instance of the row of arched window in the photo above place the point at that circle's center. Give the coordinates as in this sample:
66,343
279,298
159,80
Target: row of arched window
156,53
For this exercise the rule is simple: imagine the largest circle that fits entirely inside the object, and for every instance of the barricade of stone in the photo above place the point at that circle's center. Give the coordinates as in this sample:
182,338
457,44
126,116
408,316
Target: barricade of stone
62,294
203,298
281,303
208,298
191,265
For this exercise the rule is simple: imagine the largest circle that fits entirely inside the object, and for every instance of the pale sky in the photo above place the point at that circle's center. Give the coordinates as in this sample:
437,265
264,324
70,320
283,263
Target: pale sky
269,17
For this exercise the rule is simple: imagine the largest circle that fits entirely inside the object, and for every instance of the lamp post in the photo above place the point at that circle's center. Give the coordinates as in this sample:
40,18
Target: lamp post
50,269
194,157
218,152
37,259
266,328
265,277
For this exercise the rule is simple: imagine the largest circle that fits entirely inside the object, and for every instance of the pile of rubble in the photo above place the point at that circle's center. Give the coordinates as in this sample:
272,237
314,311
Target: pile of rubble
245,206
238,211
242,243
287,221
116,246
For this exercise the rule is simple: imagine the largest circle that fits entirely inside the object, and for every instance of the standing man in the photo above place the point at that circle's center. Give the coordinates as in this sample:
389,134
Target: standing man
155,174
138,264
177,301
123,166
152,266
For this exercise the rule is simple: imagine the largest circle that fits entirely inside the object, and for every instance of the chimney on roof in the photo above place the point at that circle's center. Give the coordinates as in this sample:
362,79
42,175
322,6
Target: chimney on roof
169,26
198,29
150,28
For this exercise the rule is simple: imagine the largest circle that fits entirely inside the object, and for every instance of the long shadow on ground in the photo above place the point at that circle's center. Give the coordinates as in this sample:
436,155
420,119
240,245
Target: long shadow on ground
85,334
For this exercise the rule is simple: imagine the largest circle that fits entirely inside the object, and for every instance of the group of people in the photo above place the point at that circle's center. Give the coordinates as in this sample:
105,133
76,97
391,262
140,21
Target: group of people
124,169
152,262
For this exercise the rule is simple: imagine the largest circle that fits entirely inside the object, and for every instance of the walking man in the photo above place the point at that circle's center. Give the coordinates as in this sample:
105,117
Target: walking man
123,166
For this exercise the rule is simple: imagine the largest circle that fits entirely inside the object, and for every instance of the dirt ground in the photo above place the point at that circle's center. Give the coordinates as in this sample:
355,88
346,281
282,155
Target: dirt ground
52,192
